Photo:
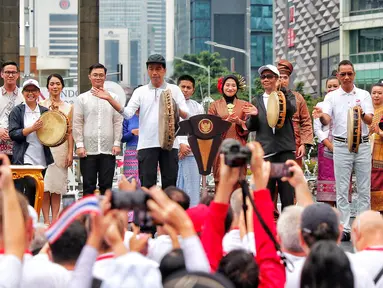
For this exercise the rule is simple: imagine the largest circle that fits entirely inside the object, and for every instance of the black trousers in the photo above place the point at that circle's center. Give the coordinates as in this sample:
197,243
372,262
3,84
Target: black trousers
101,165
27,186
285,190
148,160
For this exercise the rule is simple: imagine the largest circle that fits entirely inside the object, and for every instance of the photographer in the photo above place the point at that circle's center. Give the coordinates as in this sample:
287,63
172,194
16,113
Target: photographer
271,271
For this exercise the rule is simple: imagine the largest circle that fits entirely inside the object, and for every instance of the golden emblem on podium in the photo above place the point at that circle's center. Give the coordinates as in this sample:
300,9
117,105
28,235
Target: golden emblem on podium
205,126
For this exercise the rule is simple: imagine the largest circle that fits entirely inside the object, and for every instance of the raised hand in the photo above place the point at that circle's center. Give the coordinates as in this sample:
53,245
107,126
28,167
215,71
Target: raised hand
317,112
100,93
250,110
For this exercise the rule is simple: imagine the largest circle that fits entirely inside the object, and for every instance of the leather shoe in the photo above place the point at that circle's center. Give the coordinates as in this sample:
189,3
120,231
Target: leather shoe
346,237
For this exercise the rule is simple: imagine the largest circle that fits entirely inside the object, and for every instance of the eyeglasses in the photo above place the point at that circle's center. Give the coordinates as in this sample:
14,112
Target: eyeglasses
268,76
31,90
98,76
349,74
8,73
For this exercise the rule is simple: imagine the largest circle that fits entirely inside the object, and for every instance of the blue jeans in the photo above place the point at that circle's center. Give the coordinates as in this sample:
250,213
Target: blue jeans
344,162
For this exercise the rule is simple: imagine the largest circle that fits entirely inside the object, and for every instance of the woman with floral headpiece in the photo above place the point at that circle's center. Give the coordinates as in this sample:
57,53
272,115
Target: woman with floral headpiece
230,108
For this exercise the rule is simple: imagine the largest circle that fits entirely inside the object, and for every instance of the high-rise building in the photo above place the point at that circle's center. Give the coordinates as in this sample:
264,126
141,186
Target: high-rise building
56,31
316,35
182,27
361,39
130,14
156,21
307,34
261,25
114,52
229,28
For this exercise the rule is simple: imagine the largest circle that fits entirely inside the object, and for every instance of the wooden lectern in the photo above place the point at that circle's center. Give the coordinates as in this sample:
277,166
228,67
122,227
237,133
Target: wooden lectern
20,171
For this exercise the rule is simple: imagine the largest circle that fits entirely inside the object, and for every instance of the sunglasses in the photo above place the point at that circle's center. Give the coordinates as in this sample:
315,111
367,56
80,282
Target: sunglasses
268,76
349,74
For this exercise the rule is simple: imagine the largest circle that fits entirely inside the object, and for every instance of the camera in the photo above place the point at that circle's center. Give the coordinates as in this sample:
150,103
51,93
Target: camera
129,200
236,155
136,202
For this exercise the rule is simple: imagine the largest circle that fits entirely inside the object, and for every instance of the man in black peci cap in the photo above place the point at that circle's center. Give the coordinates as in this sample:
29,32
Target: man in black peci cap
147,99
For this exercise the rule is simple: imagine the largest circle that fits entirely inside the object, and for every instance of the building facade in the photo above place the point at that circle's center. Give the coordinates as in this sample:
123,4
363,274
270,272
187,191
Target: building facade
261,25
316,35
114,51
56,32
131,15
307,34
361,39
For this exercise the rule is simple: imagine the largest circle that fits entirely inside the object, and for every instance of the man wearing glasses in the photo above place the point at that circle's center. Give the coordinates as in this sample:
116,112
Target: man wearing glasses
278,144
336,106
10,96
97,131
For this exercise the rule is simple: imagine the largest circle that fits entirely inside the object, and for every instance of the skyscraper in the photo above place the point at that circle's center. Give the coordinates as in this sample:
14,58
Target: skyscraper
129,14
156,21
56,31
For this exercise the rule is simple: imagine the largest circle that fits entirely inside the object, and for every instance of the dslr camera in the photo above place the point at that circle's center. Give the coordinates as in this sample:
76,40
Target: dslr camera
236,155
134,201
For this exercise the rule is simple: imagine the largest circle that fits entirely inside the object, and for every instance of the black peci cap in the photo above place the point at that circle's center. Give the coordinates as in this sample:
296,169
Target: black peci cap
156,58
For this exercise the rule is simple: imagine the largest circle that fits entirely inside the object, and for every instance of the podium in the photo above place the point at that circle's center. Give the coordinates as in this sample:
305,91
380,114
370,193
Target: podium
205,134
20,171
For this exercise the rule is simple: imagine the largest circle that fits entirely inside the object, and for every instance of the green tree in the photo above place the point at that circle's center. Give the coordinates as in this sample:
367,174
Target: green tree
310,101
205,58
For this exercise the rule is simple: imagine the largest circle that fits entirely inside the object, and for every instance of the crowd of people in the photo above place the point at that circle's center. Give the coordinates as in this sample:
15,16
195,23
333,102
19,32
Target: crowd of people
177,239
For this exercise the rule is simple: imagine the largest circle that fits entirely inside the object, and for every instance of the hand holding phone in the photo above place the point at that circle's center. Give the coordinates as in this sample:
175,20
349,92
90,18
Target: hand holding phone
280,170
68,200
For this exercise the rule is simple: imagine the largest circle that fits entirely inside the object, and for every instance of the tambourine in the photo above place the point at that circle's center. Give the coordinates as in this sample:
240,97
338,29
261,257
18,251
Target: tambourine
276,109
354,128
56,128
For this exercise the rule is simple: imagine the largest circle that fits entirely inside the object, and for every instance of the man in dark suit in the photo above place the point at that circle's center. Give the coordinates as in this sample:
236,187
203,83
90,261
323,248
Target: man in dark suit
278,144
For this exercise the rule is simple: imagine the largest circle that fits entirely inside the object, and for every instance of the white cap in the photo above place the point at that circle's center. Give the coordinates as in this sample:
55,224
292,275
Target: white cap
32,82
272,68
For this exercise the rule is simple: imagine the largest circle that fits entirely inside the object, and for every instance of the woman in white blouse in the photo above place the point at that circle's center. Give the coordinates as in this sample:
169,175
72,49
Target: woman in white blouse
326,191
24,121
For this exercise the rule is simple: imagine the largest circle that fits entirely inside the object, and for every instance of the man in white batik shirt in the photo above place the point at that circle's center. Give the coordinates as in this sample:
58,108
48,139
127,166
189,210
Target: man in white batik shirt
147,99
10,96
97,131
188,178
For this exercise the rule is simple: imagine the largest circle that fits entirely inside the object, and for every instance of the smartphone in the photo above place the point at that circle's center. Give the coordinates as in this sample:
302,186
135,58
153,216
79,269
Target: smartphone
279,170
68,200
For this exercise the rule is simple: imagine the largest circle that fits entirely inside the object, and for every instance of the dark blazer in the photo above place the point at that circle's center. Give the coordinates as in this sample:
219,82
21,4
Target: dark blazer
283,140
20,144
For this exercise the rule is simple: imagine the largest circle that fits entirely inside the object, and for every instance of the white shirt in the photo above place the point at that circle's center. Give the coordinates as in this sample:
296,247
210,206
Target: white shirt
372,260
321,131
361,278
194,109
7,102
232,241
103,266
34,154
40,272
265,101
337,104
96,125
147,99
10,271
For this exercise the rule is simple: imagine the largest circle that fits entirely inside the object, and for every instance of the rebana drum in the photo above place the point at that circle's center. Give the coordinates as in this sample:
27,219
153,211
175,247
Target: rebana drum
168,119
55,128
276,110
354,129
